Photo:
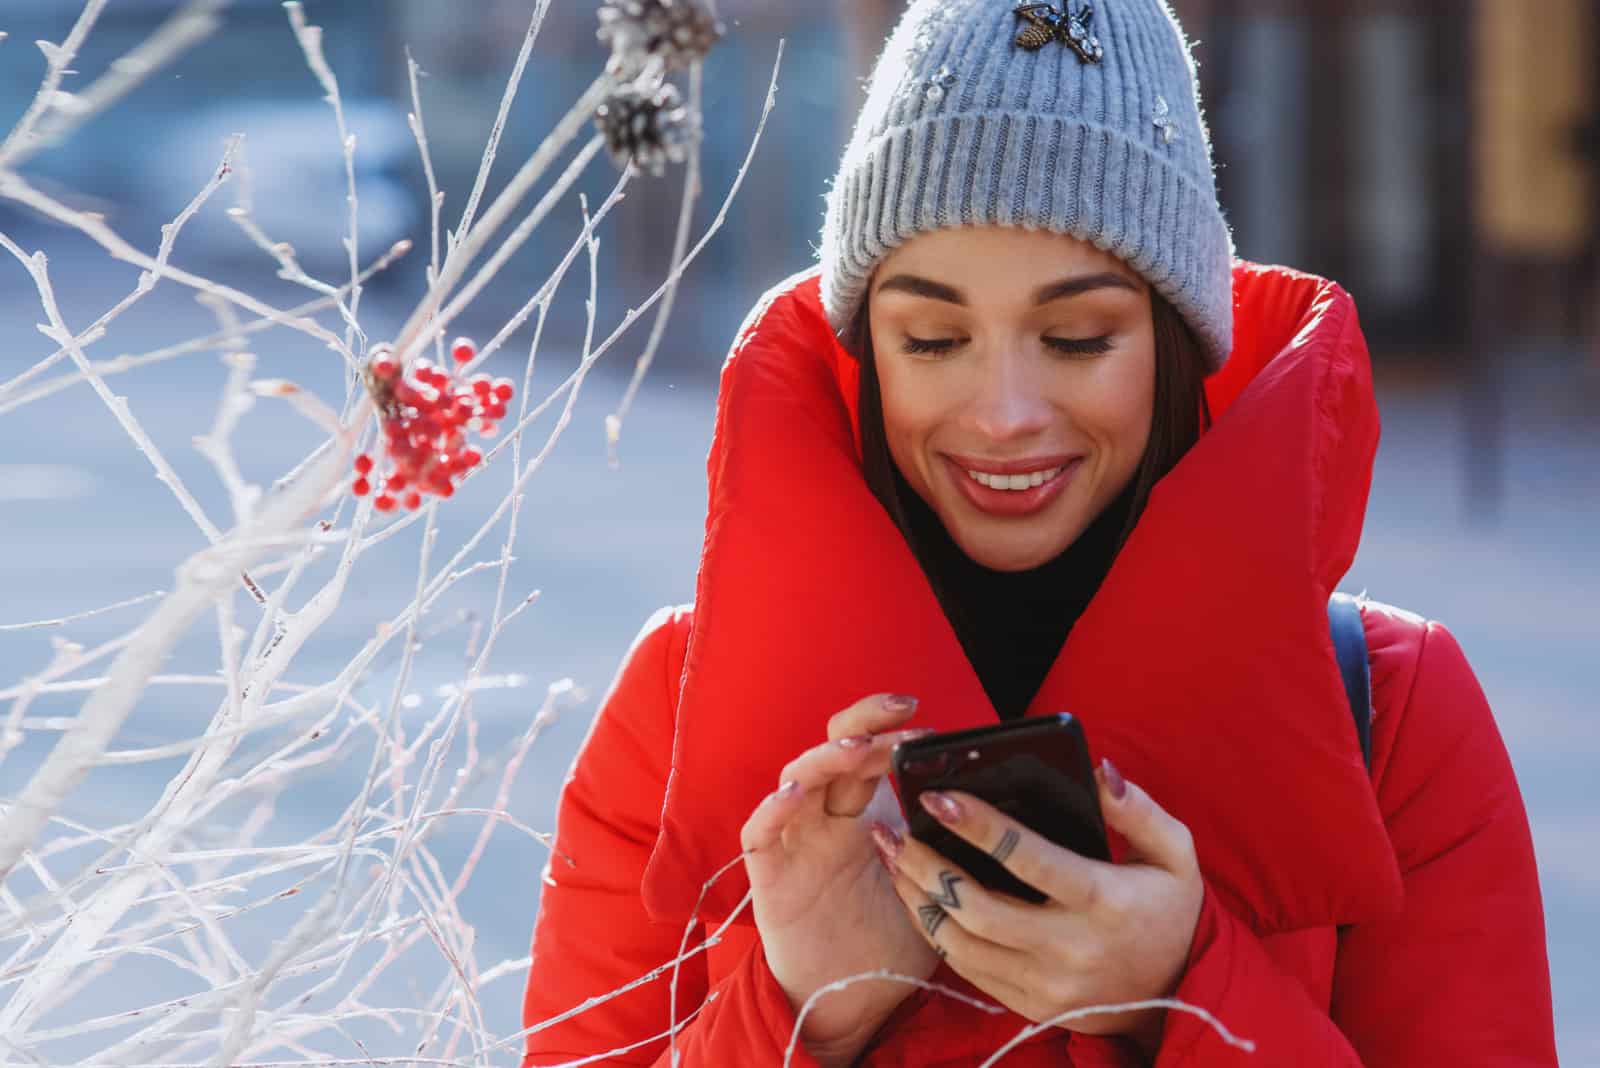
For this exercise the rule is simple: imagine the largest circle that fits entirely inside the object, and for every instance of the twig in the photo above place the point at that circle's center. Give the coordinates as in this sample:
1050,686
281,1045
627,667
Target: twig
680,245
435,195
182,30
58,60
95,229
63,620
215,444
514,241
310,40
200,581
627,322
412,335
128,362
1169,1004
711,231
485,164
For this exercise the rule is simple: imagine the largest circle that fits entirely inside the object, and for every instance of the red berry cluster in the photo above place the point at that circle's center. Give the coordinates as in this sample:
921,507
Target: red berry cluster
426,413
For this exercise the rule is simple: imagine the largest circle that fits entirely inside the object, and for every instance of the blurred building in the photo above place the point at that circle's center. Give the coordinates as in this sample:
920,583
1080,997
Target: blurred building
1438,157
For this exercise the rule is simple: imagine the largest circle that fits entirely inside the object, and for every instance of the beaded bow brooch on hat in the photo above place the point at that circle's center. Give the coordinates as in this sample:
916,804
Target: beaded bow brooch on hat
1046,23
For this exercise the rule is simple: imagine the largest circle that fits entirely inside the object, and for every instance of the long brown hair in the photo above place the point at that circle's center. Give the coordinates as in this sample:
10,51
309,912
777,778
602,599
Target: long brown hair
1180,413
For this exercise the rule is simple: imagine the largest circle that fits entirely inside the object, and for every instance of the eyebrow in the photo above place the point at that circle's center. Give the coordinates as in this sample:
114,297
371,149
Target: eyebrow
918,286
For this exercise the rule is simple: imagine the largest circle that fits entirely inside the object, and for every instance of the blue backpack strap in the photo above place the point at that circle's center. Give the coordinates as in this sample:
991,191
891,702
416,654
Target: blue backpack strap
1350,649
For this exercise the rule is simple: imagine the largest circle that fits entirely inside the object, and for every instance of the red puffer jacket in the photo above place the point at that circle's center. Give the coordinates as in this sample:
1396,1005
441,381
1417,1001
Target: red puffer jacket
1348,920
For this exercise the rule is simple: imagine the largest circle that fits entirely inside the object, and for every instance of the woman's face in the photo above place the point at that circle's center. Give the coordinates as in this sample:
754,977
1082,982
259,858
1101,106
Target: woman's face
1018,378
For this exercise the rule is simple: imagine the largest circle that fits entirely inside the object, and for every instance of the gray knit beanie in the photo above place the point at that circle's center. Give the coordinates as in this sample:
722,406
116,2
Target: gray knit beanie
1076,117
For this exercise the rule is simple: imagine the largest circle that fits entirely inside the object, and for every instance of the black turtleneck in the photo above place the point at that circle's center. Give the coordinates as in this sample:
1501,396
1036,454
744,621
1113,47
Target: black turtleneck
1012,625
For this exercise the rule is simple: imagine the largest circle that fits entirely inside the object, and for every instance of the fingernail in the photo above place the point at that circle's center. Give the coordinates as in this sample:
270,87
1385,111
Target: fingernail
900,703
914,733
788,790
855,741
941,807
889,843
1115,783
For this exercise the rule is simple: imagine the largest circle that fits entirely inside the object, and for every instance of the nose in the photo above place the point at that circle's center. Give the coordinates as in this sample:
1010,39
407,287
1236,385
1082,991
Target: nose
1007,403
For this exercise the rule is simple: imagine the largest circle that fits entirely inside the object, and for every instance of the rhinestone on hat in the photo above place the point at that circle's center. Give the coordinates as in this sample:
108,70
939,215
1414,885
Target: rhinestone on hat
939,83
1163,120
1045,23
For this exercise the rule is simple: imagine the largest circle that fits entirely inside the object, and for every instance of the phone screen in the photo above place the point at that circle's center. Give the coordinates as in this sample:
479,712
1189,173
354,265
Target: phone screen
1037,771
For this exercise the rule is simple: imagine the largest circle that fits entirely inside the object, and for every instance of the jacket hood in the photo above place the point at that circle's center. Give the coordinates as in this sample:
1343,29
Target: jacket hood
1202,668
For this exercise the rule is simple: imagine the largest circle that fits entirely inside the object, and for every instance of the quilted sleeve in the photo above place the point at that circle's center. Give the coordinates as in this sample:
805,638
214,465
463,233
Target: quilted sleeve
593,937
1460,975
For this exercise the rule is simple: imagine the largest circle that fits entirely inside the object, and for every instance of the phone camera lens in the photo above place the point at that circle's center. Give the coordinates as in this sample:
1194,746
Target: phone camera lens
936,764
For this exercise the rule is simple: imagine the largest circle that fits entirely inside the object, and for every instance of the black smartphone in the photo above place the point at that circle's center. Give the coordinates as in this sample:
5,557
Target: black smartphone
1035,770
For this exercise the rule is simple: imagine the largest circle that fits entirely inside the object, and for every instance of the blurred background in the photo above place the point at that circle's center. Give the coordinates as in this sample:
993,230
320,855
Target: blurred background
1440,159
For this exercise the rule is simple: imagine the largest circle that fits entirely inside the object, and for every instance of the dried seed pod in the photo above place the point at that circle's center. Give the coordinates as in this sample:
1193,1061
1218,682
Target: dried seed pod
647,126
674,32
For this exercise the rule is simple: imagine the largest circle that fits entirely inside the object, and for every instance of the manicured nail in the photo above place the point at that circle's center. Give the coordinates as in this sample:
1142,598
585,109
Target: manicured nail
1115,783
855,741
788,790
941,807
889,843
901,704
914,733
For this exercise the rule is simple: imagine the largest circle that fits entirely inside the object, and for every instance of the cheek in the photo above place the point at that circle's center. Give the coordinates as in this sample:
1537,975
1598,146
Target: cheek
909,417
1127,404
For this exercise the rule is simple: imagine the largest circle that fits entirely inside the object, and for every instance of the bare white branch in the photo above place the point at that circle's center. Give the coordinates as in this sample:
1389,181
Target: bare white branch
680,245
94,228
58,63
182,30
412,336
379,885
513,83
129,362
62,621
310,40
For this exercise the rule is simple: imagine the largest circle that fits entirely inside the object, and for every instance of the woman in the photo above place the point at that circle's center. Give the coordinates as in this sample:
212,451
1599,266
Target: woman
1029,396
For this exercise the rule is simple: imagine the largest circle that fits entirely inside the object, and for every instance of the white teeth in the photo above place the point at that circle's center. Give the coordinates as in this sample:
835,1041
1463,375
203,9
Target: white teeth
1014,482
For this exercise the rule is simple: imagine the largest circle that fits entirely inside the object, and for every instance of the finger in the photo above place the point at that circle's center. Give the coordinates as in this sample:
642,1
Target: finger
851,760
1066,877
764,829
850,796
872,715
1154,835
977,910
987,966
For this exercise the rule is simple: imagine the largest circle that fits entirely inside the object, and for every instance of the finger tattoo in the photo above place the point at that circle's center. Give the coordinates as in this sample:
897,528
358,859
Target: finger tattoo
1007,845
932,917
946,894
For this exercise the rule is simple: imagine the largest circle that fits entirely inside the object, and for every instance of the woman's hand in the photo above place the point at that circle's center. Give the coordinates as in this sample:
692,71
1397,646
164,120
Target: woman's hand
1109,933
824,904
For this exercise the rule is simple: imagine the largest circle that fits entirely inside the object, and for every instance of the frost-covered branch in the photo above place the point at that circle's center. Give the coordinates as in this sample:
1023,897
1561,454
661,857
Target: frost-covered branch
240,715
182,30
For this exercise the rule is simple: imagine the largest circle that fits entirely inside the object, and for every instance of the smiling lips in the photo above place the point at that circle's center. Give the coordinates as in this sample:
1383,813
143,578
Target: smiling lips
1013,482
1013,489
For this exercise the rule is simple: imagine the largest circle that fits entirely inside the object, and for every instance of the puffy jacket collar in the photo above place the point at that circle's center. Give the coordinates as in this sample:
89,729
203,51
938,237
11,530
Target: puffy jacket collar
1203,666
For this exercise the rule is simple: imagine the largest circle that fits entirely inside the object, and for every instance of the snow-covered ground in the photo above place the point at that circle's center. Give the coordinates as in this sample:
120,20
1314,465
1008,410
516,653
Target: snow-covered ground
84,523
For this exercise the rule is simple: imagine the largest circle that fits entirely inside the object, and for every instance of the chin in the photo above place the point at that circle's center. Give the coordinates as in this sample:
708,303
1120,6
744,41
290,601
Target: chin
1008,554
